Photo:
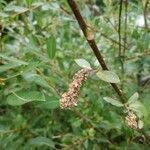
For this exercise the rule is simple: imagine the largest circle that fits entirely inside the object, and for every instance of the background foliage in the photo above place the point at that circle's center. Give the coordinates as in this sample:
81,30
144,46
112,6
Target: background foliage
39,42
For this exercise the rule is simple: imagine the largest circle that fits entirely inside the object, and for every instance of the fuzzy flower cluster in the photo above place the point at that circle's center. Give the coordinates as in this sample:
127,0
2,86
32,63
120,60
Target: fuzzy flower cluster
69,98
131,120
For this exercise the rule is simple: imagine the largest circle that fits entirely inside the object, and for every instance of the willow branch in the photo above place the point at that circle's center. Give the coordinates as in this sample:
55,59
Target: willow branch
84,27
102,34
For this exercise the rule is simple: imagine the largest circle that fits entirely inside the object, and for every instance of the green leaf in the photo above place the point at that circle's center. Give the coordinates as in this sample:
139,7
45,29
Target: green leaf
50,103
23,97
140,124
12,59
83,63
6,67
35,78
3,129
139,108
18,9
113,101
29,2
51,46
133,98
108,76
39,141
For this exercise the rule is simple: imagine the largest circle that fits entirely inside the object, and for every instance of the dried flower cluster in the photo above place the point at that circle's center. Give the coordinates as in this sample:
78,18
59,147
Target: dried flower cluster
69,98
131,120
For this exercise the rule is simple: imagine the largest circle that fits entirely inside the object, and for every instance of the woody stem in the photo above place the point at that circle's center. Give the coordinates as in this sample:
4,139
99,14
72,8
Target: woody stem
93,45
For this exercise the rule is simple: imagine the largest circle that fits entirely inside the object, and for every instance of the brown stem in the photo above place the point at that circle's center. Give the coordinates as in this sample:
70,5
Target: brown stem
102,34
93,45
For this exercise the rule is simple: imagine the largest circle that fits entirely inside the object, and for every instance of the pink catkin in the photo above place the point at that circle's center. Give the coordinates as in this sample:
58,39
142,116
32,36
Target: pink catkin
69,98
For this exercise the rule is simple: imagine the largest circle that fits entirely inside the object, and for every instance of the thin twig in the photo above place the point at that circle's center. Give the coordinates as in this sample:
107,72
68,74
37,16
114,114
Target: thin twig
112,40
64,10
145,13
84,27
146,53
113,26
125,28
120,55
119,27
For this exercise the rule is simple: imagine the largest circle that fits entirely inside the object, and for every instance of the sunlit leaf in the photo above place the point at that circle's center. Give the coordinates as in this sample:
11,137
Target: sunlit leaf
83,63
133,98
139,108
113,101
140,124
18,9
2,81
108,76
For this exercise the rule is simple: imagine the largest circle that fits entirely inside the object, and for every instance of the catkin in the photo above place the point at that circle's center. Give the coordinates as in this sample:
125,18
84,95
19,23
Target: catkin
69,98
131,120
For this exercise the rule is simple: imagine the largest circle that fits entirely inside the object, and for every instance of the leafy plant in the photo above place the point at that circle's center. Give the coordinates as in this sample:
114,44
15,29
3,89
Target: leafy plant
43,54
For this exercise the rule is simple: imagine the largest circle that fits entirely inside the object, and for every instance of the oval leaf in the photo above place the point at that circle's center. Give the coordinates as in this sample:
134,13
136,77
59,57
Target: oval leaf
23,97
51,46
14,60
35,78
17,9
108,76
140,124
139,108
39,141
113,101
83,63
9,66
133,98
50,103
